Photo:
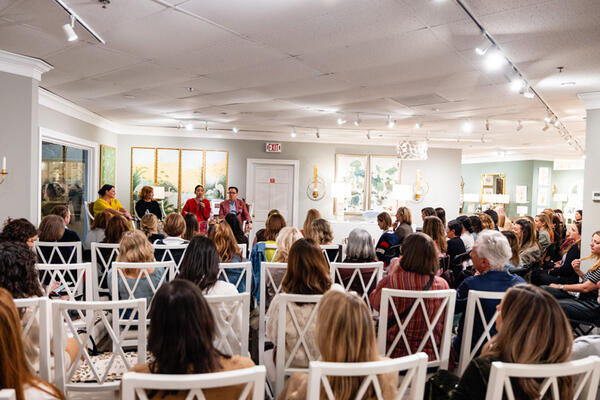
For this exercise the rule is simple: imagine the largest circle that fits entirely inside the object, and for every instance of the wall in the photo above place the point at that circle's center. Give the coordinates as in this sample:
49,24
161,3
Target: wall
67,125
19,143
591,209
444,187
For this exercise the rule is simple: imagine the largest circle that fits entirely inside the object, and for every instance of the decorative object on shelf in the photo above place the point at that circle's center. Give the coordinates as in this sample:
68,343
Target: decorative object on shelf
108,165
316,189
3,172
419,189
412,150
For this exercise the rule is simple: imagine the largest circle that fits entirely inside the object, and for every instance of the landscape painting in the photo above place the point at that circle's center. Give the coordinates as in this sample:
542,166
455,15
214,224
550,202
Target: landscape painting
167,176
385,173
352,169
192,173
142,170
215,182
108,162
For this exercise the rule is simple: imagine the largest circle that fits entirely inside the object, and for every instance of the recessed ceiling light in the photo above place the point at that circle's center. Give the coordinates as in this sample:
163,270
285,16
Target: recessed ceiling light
467,126
568,84
357,121
418,125
293,132
528,94
189,126
390,122
494,60
129,96
341,120
235,129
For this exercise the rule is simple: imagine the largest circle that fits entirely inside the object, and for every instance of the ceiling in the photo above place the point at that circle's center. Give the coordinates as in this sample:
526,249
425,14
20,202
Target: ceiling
267,66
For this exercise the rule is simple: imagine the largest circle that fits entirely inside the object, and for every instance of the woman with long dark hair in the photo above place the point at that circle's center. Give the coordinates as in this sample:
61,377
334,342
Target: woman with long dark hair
236,228
180,339
530,249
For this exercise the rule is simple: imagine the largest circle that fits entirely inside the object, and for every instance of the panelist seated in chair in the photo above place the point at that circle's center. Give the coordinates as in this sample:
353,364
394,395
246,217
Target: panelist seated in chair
108,202
235,206
147,205
180,340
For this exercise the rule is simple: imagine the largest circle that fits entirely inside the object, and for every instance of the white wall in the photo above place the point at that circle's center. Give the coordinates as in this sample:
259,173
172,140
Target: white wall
591,209
441,171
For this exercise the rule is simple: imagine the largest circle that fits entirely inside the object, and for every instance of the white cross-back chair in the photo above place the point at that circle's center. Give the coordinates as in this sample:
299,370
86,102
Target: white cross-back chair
244,249
338,256
271,276
103,254
60,252
84,374
271,246
167,252
585,371
232,315
74,280
411,386
444,315
475,307
282,361
236,274
136,385
359,273
88,213
39,308
8,394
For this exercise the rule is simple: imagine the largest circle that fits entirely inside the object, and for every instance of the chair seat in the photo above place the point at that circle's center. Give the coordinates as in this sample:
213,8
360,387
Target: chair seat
84,374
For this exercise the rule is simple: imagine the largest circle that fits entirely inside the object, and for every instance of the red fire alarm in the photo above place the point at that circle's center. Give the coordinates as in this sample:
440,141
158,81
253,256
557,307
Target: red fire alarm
272,180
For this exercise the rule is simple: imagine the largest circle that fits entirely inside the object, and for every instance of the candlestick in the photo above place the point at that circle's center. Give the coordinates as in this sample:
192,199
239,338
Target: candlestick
315,178
3,163
3,172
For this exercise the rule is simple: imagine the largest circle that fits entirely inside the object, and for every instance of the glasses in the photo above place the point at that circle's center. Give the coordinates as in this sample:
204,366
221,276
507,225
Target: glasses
232,192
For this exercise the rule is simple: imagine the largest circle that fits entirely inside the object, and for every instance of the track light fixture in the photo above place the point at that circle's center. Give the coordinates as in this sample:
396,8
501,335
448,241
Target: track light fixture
487,125
341,120
548,118
481,50
494,60
318,134
418,125
557,123
519,125
70,32
189,126
545,128
528,94
517,84
357,121
293,132
390,123
369,135
235,129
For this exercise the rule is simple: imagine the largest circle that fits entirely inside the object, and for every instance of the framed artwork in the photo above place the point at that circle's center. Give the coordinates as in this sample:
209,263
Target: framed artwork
192,173
521,194
488,190
352,170
108,162
488,180
542,196
167,176
384,173
215,170
142,170
544,176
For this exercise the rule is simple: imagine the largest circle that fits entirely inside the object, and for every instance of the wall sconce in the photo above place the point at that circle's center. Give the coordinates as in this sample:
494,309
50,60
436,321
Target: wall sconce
3,172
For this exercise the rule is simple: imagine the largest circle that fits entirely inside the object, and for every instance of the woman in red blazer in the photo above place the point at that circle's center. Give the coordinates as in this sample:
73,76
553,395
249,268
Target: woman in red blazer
198,205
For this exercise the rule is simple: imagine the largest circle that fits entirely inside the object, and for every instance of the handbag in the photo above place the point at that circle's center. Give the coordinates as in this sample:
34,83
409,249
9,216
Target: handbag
404,313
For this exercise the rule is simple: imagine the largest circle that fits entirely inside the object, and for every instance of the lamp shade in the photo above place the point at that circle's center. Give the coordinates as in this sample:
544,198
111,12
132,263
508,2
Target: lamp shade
159,192
471,197
402,192
340,190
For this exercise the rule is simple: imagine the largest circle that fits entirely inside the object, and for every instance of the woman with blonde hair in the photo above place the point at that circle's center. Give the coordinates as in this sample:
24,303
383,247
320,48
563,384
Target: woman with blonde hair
135,248
149,225
523,310
344,333
530,249
286,238
433,227
174,228
486,222
227,247
14,369
312,215
403,223
544,229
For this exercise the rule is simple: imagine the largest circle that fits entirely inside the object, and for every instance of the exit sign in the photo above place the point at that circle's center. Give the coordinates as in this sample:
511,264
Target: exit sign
273,147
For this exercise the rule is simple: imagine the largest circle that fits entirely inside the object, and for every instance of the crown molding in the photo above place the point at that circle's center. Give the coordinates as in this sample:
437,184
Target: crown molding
64,106
23,65
591,100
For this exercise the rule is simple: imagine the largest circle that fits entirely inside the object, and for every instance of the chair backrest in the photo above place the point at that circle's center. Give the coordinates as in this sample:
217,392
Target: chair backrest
8,394
411,386
165,273
474,306
74,280
170,252
271,246
271,276
362,276
446,308
244,249
58,252
90,376
89,211
283,361
239,274
135,385
338,254
586,372
103,255
232,316
39,308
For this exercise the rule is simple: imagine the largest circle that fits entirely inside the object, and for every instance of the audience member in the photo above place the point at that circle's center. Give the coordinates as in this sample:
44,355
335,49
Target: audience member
523,310
476,225
180,339
494,215
227,247
311,215
530,250
236,228
116,227
235,206
64,212
191,226
427,212
285,239
19,230
415,270
388,241
198,205
433,227
52,229
490,254
441,214
578,215
344,332
467,232
359,250
15,372
97,228
108,202
545,234
403,224
259,236
149,225
486,222
514,261
322,234
563,271
174,228
147,205
585,307
273,225
307,273
456,246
